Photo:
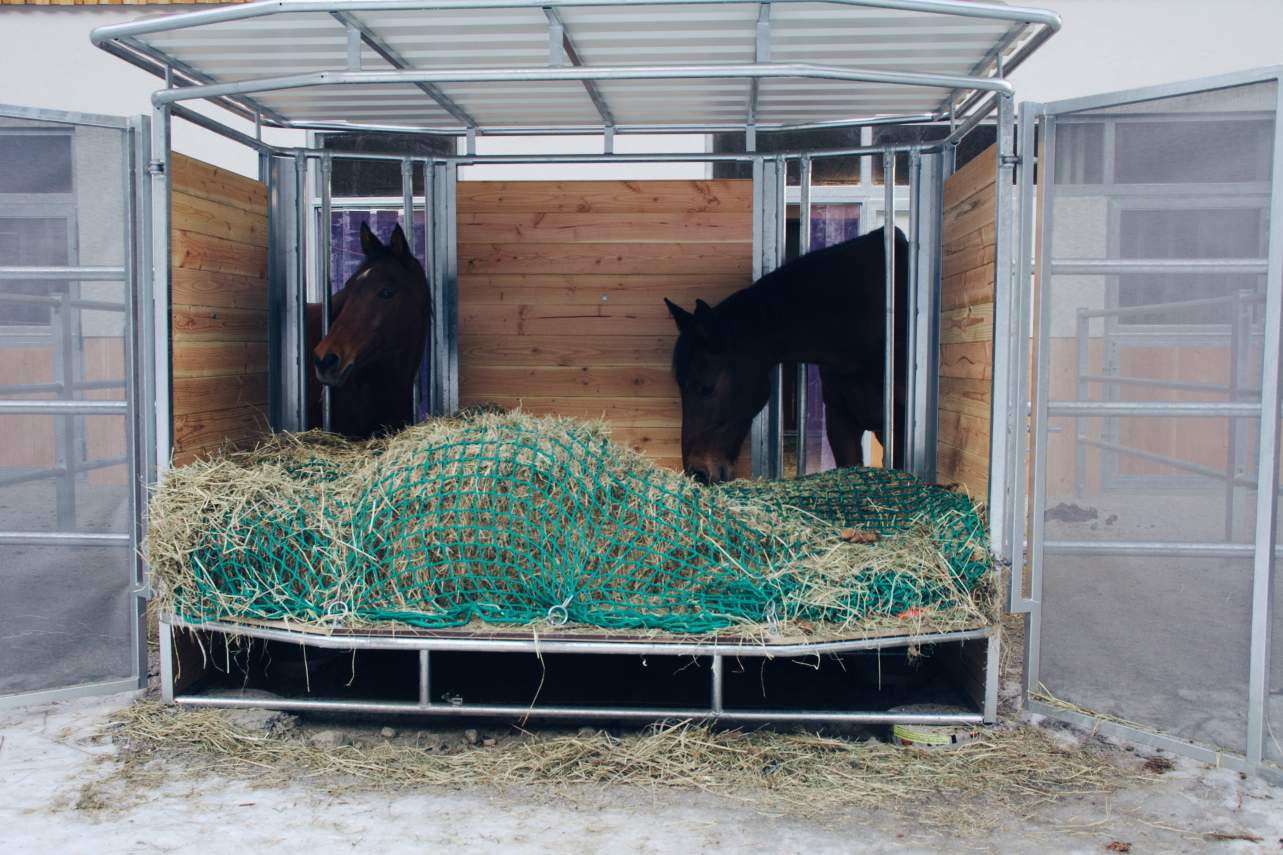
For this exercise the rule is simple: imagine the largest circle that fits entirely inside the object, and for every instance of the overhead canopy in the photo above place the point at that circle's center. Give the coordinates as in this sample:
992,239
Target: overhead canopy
499,66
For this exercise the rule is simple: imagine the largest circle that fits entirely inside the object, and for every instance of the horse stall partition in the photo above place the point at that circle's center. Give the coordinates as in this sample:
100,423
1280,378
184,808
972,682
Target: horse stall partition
562,287
219,311
968,232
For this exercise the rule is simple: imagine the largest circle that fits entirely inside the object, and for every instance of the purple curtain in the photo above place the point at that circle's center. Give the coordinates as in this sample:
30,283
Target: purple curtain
829,224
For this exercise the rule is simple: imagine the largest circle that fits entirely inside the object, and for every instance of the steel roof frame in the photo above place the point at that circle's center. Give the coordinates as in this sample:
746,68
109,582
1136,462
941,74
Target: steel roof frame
984,83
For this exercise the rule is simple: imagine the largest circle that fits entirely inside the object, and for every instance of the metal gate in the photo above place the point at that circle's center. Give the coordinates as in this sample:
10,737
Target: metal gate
73,456
1156,320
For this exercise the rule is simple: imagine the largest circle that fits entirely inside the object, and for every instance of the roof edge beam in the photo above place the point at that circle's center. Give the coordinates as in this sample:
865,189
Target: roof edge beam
616,72
394,59
568,51
165,23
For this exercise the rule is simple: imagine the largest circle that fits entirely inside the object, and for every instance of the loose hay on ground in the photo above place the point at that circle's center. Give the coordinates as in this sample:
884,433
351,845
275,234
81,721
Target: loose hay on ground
510,519
1003,771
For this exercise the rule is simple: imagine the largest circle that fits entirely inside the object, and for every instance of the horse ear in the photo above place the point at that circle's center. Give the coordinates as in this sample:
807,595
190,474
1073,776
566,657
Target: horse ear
707,326
685,320
400,248
370,243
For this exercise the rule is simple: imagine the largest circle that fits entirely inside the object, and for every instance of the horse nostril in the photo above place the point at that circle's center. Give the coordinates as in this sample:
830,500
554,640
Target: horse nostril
327,362
724,472
700,475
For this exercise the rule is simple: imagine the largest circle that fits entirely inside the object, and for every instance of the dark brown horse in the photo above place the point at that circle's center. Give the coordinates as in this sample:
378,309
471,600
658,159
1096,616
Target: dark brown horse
375,344
827,308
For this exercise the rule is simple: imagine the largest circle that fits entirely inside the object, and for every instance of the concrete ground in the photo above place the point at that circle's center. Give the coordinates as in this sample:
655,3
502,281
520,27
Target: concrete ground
48,754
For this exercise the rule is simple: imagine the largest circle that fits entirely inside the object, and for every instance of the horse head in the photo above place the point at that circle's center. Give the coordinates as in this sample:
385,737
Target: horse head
380,316
723,387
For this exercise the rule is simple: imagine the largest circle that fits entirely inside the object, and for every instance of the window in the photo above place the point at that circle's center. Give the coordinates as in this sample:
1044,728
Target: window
36,213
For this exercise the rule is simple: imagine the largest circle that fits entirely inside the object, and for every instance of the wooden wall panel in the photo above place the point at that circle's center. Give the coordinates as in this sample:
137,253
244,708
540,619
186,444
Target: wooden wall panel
966,324
219,308
561,294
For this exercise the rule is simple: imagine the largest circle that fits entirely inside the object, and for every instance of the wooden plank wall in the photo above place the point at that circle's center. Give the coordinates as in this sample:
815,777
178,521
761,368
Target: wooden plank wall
561,294
219,308
966,324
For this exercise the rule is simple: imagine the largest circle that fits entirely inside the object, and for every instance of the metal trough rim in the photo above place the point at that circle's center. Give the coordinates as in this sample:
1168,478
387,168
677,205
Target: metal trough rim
536,644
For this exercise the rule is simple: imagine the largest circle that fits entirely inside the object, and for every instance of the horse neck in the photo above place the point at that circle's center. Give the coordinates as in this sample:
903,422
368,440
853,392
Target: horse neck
775,323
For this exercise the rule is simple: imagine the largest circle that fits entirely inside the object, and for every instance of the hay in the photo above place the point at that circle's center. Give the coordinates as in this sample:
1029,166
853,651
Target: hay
515,520
1000,773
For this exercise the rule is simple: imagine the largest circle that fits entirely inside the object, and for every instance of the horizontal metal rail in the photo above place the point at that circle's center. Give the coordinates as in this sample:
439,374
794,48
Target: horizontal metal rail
1088,266
1150,308
572,712
749,71
1168,549
1164,384
202,121
114,32
43,388
63,408
581,130
1175,463
1153,408
570,645
57,301
82,274
62,538
25,476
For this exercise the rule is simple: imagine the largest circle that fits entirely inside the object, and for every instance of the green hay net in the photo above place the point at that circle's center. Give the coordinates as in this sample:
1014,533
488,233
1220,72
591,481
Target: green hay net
508,519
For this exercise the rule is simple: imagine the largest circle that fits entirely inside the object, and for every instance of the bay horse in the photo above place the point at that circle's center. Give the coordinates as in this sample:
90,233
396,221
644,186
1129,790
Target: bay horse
375,343
826,308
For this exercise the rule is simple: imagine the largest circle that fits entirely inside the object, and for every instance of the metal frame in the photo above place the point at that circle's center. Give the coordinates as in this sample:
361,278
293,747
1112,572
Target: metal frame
68,411
1263,549
564,62
717,652
966,100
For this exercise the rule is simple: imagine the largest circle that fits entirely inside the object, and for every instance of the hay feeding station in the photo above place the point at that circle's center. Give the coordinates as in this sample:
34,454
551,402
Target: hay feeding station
1071,415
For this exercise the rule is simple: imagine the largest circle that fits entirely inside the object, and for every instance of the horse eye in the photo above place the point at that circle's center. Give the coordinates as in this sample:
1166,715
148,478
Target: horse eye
387,293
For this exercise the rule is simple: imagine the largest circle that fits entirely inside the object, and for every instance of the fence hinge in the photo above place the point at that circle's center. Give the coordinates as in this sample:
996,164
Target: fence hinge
1011,160
155,167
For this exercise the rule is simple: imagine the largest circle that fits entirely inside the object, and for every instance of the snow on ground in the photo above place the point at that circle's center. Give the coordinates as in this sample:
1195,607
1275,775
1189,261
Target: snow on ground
48,754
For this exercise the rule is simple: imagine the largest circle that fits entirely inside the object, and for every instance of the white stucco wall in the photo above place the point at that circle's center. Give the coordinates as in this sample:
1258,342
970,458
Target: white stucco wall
1106,45
46,60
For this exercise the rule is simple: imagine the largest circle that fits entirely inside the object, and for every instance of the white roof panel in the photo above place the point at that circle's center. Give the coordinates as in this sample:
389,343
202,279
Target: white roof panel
293,60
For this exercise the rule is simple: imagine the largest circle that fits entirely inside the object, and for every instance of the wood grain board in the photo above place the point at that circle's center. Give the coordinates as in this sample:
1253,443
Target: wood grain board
966,324
219,317
562,287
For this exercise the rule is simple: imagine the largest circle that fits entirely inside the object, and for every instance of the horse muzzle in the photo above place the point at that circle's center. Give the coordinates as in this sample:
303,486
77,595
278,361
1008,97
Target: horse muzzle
328,369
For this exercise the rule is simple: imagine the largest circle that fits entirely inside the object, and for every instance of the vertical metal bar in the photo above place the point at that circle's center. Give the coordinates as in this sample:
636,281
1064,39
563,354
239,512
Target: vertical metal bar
1003,415
803,247
993,675
1082,361
325,269
158,168
1267,464
1044,286
1237,335
928,203
137,441
908,436
889,366
425,678
1019,337
298,296
444,280
407,227
716,672
64,427
166,638
777,391
763,232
